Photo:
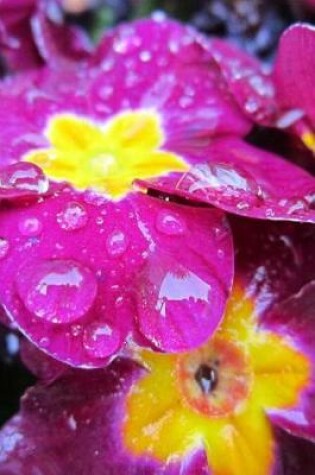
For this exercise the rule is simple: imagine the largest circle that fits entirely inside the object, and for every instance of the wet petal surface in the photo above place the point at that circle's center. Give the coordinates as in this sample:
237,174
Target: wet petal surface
83,273
246,181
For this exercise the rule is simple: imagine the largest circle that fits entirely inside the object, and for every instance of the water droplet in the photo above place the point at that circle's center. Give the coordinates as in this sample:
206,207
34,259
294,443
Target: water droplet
73,217
76,330
59,291
4,247
170,224
23,177
251,105
229,181
145,56
30,226
117,243
101,339
169,290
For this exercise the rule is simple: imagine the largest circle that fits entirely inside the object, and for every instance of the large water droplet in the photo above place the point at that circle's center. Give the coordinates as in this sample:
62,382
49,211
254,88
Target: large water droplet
117,243
101,339
4,247
23,177
30,226
173,303
73,217
227,179
169,223
59,291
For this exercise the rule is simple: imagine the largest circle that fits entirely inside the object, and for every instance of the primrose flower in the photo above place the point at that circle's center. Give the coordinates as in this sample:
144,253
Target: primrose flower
90,262
32,33
240,403
294,76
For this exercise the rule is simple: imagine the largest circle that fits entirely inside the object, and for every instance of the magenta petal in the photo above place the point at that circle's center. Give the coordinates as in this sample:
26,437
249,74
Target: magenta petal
33,32
55,40
43,366
251,86
84,274
247,181
74,425
166,66
294,72
16,41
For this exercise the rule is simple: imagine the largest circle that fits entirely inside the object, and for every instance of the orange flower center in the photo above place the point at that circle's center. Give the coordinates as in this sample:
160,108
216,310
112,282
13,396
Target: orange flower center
215,380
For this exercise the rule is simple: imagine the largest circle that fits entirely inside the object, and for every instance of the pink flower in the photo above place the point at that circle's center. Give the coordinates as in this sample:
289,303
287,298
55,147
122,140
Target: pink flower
90,263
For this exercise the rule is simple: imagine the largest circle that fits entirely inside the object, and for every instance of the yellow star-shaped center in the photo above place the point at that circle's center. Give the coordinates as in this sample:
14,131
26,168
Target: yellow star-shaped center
106,157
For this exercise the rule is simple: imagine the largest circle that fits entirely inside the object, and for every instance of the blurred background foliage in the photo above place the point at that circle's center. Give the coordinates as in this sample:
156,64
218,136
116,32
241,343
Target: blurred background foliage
255,25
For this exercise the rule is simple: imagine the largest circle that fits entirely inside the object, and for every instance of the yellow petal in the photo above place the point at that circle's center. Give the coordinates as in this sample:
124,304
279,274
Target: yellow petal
140,130
281,372
242,444
70,133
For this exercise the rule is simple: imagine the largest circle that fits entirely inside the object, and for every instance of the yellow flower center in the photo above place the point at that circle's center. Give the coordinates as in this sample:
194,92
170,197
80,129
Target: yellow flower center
216,397
106,157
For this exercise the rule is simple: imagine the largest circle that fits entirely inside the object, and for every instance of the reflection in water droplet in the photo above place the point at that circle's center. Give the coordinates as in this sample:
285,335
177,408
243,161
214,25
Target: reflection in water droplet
73,217
101,339
173,303
4,247
30,226
23,177
59,291
296,205
117,243
170,224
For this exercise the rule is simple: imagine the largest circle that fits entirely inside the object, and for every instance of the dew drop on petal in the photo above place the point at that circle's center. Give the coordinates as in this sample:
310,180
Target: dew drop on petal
24,177
74,216
58,291
170,224
229,181
30,226
117,243
4,247
145,56
173,303
101,339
